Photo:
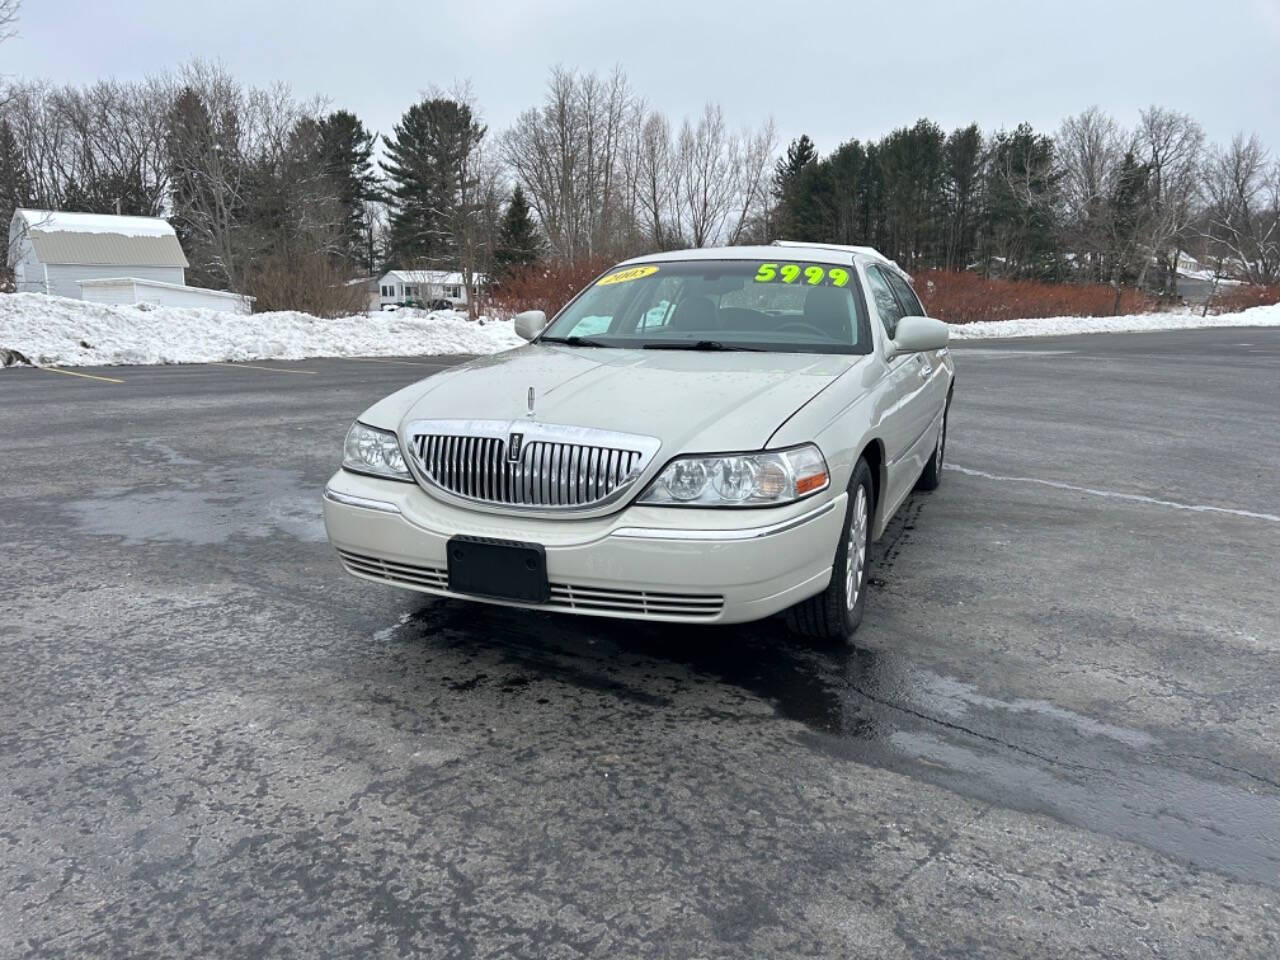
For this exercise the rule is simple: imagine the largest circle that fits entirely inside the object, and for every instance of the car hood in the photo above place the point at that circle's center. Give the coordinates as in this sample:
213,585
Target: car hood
693,401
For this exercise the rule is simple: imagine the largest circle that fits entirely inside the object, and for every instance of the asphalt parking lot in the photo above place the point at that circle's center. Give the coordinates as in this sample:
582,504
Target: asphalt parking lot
1058,735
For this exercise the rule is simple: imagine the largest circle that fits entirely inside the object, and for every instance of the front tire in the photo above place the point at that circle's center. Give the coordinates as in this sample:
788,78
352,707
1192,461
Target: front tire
931,477
835,613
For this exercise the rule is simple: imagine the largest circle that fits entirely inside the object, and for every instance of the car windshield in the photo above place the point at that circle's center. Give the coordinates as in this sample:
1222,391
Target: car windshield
779,305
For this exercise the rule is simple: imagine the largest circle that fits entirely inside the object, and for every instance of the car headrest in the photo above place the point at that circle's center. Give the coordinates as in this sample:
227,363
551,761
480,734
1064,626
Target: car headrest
695,313
827,308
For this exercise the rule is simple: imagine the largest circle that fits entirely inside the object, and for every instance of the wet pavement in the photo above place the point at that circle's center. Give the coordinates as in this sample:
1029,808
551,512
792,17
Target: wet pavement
1057,734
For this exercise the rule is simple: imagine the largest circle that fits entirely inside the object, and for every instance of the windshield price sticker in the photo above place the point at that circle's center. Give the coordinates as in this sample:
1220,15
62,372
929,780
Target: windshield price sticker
626,276
811,276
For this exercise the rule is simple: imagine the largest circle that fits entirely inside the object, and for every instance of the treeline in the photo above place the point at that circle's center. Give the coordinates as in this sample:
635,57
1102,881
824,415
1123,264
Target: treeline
284,200
1094,202
288,201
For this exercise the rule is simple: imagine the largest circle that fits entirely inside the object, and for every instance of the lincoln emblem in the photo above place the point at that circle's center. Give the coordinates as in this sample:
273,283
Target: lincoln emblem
514,443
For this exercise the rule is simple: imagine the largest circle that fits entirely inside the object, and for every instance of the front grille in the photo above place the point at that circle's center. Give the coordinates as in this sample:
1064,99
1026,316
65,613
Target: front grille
564,596
527,465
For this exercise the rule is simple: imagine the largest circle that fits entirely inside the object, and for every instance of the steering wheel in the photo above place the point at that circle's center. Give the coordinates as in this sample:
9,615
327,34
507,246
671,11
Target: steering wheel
803,327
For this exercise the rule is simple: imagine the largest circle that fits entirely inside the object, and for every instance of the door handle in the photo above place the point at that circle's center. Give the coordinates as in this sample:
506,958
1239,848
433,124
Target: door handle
924,369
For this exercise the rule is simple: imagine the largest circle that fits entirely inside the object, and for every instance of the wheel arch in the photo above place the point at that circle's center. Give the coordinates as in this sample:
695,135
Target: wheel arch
873,453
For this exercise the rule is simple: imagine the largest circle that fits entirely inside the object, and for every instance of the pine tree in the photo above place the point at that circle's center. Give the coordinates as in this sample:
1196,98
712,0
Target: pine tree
428,160
346,149
793,215
16,189
519,243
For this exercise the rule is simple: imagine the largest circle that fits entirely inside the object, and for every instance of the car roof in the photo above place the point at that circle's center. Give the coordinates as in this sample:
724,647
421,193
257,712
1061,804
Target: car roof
800,250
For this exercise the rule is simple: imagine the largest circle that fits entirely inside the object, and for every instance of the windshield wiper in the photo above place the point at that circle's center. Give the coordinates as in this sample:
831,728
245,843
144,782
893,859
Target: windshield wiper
574,341
701,345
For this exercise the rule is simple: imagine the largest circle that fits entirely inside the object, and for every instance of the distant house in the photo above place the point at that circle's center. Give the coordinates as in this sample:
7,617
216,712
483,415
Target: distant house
397,286
106,259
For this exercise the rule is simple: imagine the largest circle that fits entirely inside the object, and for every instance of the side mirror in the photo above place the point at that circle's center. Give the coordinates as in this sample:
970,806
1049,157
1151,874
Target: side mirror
917,334
530,323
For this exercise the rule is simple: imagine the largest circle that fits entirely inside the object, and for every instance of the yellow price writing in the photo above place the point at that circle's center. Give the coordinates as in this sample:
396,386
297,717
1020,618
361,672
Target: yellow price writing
813,275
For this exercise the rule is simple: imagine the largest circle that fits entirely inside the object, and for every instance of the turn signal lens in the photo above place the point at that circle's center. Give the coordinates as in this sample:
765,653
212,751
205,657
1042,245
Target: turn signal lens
741,479
815,481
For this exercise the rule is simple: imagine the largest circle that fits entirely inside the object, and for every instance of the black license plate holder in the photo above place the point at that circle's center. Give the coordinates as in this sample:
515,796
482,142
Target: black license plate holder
498,569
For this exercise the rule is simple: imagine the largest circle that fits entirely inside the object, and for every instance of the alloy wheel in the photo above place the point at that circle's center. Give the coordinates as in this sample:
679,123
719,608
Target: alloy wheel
856,549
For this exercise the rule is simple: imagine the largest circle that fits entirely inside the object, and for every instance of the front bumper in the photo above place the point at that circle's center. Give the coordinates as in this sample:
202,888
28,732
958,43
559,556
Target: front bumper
648,563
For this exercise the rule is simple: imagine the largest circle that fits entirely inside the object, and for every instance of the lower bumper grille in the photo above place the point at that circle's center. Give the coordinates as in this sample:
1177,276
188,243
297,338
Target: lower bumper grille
563,596
435,578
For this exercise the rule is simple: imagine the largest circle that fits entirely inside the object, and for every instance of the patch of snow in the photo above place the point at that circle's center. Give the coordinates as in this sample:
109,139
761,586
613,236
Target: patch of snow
56,331
57,221
1133,323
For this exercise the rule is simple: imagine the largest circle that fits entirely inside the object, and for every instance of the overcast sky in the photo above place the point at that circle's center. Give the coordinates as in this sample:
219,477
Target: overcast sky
828,68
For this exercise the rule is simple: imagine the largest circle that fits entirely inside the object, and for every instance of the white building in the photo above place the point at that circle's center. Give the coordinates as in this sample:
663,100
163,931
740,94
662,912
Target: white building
106,259
397,286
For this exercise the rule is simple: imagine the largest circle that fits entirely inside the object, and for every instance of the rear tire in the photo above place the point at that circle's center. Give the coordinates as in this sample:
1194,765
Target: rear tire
834,614
931,477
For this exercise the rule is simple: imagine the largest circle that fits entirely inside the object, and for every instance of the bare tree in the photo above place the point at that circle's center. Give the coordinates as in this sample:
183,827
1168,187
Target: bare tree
1090,150
1242,218
1172,146
756,160
708,164
100,148
655,180
9,18
568,155
212,133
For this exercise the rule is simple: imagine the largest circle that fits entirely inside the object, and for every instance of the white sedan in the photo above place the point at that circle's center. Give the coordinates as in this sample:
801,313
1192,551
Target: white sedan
707,436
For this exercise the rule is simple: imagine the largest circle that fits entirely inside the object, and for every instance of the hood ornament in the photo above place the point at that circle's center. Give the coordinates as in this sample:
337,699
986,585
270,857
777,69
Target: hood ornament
530,413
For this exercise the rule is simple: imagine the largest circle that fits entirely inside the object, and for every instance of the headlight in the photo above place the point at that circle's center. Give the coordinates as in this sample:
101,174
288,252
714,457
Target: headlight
740,479
368,450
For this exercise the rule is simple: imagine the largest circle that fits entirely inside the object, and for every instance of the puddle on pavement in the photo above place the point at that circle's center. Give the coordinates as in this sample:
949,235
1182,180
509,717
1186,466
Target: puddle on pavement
880,709
206,506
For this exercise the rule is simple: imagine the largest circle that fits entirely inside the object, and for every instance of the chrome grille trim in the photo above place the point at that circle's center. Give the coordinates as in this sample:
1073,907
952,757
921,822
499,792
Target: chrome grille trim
560,468
565,597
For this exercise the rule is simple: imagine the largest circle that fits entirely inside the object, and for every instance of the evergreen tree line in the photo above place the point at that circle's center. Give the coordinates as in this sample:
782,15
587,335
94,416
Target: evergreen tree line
288,201
1092,202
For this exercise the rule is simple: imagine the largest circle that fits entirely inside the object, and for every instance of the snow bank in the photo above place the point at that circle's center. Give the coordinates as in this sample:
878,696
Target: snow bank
55,331
1133,323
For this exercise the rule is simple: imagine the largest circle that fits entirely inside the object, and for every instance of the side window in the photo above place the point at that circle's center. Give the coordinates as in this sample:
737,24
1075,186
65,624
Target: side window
906,296
886,303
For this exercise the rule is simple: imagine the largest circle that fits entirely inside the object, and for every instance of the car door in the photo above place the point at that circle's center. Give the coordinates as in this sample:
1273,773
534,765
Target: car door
930,363
895,389
908,419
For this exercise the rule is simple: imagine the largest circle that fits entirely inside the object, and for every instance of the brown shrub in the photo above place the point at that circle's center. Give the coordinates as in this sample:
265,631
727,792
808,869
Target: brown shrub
966,297
312,283
957,297
1234,298
545,286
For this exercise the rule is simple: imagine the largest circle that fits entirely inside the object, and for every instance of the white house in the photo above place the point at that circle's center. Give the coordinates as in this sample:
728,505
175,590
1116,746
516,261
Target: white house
397,286
106,259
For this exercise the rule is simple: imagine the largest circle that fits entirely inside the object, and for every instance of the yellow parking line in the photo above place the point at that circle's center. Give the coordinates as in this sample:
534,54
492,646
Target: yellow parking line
254,366
72,373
